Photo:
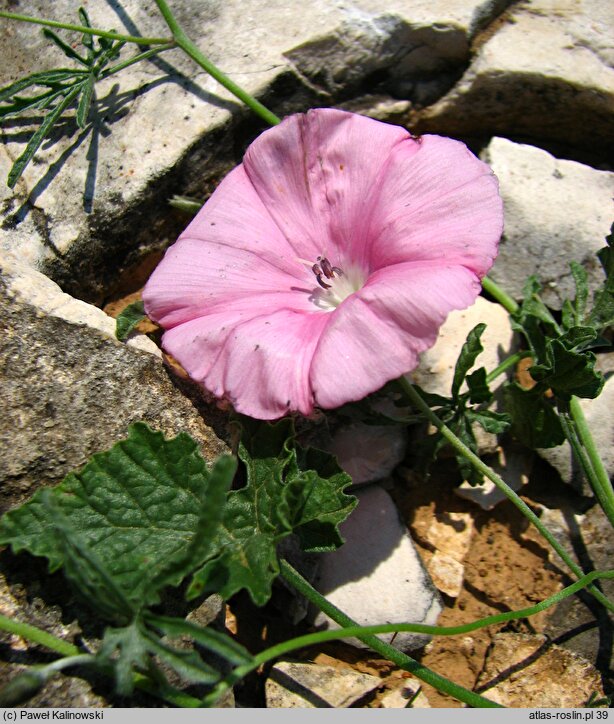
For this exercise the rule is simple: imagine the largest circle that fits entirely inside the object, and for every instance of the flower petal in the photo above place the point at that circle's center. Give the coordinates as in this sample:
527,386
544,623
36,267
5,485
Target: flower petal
317,174
261,364
378,333
438,203
232,249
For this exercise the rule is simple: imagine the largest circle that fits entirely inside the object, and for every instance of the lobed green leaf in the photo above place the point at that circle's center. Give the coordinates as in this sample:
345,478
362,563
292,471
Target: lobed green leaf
287,491
136,518
467,357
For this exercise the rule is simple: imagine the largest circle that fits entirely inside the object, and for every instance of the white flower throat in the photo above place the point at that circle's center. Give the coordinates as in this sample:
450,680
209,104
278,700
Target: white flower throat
336,284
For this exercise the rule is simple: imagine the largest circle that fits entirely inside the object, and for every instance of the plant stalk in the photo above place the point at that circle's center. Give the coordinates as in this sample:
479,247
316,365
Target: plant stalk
397,657
502,297
508,362
110,34
485,470
590,460
321,637
184,42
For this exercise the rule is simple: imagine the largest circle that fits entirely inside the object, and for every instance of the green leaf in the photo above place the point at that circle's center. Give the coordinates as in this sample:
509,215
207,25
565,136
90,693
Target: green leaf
136,518
568,373
534,421
130,649
68,50
85,101
467,357
45,78
39,136
602,314
479,392
124,649
581,280
207,637
288,490
128,319
187,663
493,422
578,337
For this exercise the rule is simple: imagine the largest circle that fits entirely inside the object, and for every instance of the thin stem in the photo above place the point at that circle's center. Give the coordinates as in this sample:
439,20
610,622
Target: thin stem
510,361
111,35
188,47
38,636
595,470
502,297
482,468
397,657
136,59
300,642
66,649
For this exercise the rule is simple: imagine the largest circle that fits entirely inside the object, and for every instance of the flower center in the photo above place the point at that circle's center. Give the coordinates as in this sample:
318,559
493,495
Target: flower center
336,284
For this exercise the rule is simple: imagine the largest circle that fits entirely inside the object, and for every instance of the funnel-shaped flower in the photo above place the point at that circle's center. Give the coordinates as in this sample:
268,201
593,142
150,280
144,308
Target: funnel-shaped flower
325,263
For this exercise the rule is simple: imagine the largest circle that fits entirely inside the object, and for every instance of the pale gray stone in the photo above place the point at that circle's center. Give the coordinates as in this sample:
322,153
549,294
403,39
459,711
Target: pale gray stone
524,670
71,390
93,202
578,623
298,684
546,73
377,576
436,370
556,211
368,452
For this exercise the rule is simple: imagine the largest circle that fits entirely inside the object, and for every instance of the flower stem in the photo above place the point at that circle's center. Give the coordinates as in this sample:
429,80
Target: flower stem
397,657
72,653
510,361
321,637
38,636
502,297
485,470
110,34
188,47
579,435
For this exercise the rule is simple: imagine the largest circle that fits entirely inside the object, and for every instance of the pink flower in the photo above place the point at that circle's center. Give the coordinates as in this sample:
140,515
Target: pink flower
325,263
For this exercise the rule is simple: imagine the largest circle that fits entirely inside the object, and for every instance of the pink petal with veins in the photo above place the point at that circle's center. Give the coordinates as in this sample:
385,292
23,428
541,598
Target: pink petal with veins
412,224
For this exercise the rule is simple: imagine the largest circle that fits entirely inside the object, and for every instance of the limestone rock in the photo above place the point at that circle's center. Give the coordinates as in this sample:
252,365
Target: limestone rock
513,464
436,369
399,697
71,390
578,623
297,684
368,452
524,670
556,211
93,201
377,576
546,73
449,535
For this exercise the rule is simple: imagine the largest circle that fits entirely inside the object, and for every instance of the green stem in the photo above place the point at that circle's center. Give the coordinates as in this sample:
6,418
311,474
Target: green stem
136,59
111,35
321,637
591,461
188,47
502,297
482,468
66,649
510,361
38,636
397,657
